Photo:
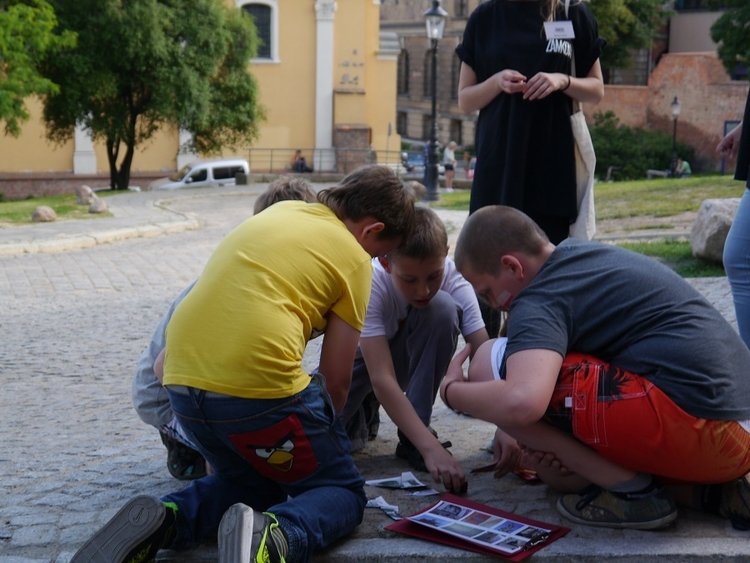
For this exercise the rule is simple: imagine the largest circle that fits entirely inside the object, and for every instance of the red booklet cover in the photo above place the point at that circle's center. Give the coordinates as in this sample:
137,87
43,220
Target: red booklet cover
462,523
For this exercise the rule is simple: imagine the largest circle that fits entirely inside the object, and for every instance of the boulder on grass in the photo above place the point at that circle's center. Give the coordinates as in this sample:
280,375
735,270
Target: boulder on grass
43,214
709,231
97,205
84,195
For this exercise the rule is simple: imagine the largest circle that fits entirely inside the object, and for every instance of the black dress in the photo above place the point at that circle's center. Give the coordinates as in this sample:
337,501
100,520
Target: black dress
524,148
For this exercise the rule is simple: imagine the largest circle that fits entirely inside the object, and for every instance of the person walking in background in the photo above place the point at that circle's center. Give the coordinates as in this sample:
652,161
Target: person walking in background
737,245
449,162
516,70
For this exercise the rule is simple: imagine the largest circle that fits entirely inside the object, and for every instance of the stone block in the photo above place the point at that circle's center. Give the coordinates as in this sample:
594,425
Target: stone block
97,205
43,214
709,231
84,195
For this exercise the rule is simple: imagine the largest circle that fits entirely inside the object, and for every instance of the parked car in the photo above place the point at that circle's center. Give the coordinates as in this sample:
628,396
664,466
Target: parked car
202,173
414,163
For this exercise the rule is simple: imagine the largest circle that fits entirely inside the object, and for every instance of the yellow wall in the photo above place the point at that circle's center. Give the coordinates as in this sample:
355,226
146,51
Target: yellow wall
287,87
365,87
31,152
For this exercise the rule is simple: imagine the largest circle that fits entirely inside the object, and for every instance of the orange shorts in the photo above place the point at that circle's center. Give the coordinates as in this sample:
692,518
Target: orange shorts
631,422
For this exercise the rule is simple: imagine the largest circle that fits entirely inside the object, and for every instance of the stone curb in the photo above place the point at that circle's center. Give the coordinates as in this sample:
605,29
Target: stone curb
94,238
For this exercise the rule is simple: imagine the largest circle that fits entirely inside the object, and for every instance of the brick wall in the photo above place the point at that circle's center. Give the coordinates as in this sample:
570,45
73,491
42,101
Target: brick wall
708,99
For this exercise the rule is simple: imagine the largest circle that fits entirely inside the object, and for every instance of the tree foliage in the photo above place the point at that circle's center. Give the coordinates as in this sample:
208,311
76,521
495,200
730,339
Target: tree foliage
631,150
731,32
627,25
144,65
26,37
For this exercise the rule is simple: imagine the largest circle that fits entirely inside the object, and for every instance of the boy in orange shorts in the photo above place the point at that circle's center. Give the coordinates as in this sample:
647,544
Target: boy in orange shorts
659,392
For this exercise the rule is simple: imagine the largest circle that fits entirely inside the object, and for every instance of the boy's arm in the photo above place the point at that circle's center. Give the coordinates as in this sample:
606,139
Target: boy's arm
521,399
476,339
441,464
337,358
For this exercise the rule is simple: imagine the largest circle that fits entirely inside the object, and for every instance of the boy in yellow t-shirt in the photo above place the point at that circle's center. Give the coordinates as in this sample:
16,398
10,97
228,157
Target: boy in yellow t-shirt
149,395
284,484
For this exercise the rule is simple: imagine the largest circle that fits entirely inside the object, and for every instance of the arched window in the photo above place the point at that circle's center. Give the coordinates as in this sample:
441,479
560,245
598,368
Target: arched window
265,17
403,72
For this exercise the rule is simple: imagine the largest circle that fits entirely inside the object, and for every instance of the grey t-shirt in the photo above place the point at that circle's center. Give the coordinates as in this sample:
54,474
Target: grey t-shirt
637,314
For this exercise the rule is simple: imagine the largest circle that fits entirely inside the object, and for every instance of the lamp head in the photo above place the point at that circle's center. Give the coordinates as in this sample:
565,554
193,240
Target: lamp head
435,21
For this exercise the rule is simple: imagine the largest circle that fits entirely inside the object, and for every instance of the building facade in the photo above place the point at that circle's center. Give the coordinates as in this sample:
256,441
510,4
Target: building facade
327,81
681,62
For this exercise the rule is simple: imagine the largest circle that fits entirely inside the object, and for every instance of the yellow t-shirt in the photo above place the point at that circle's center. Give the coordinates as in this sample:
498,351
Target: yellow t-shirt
267,288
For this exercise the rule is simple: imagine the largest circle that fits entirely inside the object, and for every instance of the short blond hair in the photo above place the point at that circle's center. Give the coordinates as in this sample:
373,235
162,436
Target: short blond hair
284,188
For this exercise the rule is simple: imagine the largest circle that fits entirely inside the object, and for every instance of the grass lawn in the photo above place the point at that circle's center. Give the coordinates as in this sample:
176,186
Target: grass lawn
655,198
18,212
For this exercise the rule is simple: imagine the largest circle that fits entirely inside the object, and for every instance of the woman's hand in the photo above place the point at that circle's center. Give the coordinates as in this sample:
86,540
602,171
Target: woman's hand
543,84
509,81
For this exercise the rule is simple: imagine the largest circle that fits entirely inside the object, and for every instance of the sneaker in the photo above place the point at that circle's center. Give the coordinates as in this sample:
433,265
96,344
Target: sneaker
735,503
246,535
406,450
639,511
183,462
139,529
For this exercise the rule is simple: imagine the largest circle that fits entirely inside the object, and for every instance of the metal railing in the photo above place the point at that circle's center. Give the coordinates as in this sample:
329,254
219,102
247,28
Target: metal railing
340,161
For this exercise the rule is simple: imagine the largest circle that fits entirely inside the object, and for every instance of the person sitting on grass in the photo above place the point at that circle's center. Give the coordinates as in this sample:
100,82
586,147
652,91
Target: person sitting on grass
150,398
418,306
654,411
284,485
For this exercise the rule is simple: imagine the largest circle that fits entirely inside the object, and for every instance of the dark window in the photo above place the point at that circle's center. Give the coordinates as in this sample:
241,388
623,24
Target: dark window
227,172
403,72
261,15
461,8
401,123
426,126
457,131
199,175
703,5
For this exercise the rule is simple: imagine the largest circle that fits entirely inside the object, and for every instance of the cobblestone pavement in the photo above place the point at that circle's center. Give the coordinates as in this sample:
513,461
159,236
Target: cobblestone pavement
72,326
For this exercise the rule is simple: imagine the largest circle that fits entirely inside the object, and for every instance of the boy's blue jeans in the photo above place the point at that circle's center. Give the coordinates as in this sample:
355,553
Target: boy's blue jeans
287,456
737,264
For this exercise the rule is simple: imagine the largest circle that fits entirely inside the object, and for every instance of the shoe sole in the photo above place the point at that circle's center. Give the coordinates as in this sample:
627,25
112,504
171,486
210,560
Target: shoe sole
236,534
132,524
662,522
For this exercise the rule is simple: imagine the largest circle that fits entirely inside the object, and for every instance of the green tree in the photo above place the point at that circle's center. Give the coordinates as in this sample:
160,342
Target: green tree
732,34
627,25
26,37
145,65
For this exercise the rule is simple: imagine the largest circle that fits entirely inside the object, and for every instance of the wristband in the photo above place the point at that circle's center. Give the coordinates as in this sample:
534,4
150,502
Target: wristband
445,394
567,85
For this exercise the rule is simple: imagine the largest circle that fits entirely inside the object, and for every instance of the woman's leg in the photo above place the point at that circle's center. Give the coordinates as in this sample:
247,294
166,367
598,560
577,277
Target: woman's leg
737,265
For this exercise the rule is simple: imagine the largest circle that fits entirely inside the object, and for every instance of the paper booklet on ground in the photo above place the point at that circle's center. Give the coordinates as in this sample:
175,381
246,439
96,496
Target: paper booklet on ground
463,523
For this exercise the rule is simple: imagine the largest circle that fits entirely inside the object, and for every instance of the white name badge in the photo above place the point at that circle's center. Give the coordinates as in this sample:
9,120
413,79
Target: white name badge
559,30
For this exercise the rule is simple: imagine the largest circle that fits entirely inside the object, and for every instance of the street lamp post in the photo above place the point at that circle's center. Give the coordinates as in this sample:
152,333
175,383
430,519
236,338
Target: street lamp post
435,23
675,114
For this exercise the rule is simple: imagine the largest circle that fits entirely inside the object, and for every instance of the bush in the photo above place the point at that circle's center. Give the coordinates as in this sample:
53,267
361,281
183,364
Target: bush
632,150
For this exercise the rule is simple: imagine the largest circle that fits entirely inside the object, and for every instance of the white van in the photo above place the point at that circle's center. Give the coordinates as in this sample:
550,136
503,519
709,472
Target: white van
202,173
